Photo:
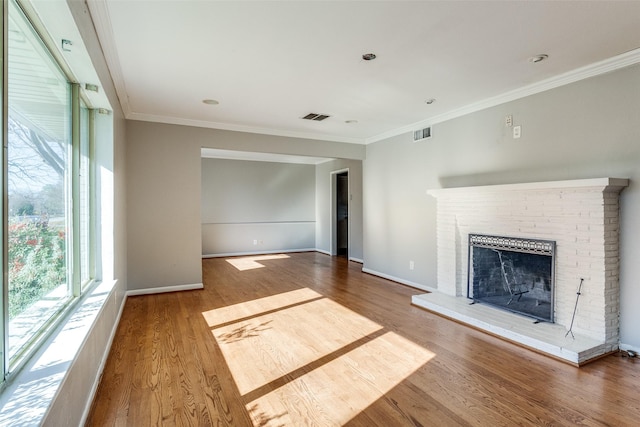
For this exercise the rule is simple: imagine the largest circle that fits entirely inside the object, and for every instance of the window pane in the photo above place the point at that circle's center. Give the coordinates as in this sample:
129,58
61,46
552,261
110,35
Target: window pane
85,237
38,184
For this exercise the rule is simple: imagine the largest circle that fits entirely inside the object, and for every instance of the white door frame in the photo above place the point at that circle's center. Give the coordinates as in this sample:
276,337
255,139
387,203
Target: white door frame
333,220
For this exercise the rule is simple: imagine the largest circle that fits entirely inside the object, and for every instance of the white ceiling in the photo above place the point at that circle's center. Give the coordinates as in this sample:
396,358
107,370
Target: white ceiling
270,63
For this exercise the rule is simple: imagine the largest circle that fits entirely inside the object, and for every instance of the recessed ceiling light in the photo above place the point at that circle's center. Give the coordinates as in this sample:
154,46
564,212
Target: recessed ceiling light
430,101
538,58
210,102
369,56
351,121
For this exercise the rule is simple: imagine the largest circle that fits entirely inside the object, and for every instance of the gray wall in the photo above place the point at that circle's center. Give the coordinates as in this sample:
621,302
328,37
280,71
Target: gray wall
164,190
247,202
163,209
324,206
583,130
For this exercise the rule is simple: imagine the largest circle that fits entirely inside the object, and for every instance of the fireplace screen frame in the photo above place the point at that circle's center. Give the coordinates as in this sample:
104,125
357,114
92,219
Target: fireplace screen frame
518,245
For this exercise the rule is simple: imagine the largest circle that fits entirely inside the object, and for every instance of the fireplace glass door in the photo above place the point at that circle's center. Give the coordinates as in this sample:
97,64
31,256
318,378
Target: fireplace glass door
512,274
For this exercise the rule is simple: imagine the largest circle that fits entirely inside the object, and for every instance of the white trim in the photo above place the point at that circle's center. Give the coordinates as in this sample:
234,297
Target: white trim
401,281
103,362
112,285
240,128
102,21
163,289
322,251
29,385
588,71
610,64
358,260
230,254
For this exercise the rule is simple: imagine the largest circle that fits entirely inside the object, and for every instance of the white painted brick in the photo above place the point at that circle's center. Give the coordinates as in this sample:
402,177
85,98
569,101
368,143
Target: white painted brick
584,223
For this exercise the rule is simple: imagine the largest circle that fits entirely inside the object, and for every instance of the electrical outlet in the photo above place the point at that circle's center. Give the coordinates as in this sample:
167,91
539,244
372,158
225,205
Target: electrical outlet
255,242
508,120
411,265
517,132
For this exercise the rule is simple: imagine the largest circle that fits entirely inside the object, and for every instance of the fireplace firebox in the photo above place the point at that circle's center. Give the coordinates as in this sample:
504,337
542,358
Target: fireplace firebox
514,274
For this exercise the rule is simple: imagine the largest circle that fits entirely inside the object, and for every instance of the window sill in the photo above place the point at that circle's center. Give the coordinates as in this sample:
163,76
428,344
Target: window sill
27,397
26,325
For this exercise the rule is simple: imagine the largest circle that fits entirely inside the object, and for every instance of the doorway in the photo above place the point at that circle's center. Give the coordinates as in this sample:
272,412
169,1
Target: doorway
342,214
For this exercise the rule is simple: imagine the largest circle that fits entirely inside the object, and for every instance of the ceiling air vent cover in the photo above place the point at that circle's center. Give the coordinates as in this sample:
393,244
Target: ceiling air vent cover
419,135
316,117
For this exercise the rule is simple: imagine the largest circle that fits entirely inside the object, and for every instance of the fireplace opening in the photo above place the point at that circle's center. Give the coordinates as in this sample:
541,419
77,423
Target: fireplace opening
513,274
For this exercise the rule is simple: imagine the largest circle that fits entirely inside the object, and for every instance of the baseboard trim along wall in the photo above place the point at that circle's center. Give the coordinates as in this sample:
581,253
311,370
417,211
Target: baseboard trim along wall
401,281
164,289
285,251
103,362
322,251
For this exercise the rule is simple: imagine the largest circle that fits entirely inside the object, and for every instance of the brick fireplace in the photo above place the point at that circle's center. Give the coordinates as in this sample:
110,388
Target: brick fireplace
581,216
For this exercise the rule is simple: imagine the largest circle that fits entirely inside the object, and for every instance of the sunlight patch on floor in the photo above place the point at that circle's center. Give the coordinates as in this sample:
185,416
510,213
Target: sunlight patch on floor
265,348
339,390
251,262
259,306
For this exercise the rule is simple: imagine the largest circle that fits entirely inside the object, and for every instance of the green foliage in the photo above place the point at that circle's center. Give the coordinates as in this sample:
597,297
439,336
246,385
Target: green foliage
36,263
52,200
26,209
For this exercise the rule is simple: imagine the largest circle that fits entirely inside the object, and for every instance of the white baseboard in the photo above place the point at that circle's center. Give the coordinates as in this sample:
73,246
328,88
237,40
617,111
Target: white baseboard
164,289
283,251
112,335
401,281
103,362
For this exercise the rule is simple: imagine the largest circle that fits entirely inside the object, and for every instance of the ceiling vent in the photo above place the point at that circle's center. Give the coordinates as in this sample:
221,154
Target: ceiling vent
316,117
419,135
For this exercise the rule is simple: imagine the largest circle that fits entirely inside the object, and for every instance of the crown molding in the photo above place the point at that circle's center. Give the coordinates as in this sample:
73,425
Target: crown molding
240,128
608,65
102,22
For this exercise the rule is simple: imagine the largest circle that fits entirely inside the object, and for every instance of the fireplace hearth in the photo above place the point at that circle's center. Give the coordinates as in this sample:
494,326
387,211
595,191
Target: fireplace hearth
512,274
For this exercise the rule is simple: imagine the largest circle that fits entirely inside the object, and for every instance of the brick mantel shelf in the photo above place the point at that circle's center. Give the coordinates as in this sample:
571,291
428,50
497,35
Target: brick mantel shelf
604,184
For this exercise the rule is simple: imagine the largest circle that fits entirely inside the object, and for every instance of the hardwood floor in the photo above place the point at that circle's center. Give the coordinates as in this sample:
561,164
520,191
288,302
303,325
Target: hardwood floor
306,339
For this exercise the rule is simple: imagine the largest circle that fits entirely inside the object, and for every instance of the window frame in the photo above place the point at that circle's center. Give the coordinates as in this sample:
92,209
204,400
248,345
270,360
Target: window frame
10,367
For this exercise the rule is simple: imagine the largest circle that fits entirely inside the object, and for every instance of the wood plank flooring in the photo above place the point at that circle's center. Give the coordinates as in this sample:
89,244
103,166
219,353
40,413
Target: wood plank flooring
307,339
